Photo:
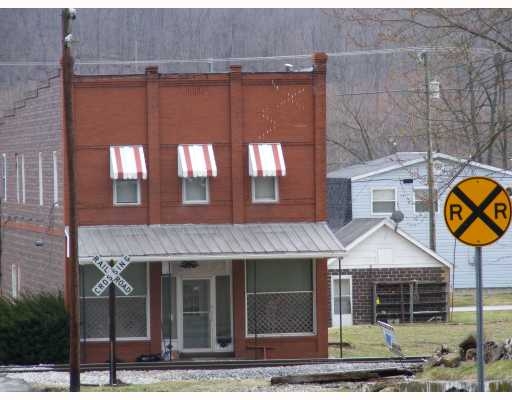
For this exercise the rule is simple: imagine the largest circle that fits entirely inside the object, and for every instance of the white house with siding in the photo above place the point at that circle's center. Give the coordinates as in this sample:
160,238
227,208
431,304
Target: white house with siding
399,182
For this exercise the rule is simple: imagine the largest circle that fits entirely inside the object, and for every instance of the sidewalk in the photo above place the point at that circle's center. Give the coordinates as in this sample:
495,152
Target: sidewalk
486,308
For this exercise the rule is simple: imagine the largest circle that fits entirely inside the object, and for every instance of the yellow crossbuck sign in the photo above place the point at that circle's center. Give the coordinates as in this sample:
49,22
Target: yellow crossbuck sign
477,211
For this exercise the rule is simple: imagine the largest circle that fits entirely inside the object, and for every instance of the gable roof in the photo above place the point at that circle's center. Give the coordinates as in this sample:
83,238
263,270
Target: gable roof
399,160
360,229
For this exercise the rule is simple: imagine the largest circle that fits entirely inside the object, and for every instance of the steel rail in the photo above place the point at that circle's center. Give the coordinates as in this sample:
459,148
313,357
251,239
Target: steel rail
210,364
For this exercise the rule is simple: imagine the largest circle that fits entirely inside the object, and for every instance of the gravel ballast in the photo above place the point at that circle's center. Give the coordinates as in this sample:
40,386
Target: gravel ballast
50,378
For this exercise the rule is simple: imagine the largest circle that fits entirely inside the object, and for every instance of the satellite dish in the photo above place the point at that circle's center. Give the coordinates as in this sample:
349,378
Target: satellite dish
397,216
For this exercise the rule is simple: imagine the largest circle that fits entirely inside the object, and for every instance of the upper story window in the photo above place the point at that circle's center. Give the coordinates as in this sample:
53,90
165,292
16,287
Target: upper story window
265,189
421,200
383,201
4,177
195,190
266,164
55,179
20,178
127,168
196,164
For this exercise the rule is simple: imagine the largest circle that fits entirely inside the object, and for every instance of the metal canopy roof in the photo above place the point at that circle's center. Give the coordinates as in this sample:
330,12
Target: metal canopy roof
208,241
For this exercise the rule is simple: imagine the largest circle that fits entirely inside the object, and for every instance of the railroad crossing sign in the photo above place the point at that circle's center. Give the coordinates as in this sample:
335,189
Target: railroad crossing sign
477,211
112,275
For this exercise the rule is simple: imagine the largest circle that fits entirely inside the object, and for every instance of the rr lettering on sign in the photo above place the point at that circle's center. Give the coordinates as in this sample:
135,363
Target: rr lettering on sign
112,275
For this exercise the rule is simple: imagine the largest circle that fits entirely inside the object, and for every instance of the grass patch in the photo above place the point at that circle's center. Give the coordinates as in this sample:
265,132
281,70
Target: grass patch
467,371
465,298
216,385
421,338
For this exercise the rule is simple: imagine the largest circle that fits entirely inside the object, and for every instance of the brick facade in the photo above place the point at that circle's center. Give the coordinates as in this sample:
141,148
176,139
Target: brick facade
363,280
33,127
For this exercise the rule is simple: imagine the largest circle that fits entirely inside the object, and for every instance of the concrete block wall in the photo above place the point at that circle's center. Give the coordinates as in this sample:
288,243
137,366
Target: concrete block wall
33,126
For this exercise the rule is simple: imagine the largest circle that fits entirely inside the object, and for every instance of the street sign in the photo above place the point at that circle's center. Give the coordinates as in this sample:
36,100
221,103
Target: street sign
112,275
477,211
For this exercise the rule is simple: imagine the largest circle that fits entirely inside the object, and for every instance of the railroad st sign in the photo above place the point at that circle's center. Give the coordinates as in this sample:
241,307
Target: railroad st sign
112,275
477,211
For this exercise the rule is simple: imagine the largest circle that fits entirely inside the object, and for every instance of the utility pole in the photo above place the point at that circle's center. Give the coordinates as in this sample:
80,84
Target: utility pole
430,167
72,267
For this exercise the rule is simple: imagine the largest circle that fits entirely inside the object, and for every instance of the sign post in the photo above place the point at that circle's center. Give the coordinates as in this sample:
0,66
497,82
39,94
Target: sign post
112,278
477,212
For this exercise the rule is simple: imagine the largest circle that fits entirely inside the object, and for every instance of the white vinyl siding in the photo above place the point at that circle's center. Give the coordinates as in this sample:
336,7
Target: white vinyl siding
383,201
55,180
126,192
195,190
265,189
40,177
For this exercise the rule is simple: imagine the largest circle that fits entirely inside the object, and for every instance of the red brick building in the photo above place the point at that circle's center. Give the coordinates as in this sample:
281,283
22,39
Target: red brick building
214,185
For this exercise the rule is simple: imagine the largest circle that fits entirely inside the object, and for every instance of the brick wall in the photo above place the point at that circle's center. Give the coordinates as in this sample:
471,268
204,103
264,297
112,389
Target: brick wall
362,285
33,126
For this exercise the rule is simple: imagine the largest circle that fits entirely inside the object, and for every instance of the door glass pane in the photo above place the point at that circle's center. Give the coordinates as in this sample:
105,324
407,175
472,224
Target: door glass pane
196,313
223,310
345,296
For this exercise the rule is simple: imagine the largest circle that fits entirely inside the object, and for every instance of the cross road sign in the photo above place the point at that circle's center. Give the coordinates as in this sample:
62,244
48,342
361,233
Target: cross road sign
477,211
112,274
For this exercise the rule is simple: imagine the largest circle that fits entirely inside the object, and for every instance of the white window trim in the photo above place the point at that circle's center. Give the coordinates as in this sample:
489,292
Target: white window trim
148,319
18,176
267,200
114,194
55,180
414,200
23,192
336,277
15,281
40,177
269,335
4,176
371,200
184,191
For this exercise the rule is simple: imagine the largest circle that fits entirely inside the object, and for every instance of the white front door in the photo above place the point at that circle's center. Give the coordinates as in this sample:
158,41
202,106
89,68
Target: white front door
343,303
197,314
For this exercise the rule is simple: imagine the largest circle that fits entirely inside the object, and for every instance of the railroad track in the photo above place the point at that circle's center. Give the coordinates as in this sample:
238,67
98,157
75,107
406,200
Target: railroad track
209,364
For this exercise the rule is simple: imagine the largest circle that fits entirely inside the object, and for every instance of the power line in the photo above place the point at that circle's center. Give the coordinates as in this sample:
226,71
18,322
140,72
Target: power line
253,58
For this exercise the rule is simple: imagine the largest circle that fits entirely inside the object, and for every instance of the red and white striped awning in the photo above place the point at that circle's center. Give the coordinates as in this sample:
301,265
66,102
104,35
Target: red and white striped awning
127,162
266,159
196,161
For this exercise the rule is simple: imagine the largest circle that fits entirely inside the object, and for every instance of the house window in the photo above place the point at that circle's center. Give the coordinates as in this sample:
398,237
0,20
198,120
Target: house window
344,300
4,177
15,281
55,180
264,189
195,190
20,178
40,176
383,201
279,297
131,310
421,200
126,192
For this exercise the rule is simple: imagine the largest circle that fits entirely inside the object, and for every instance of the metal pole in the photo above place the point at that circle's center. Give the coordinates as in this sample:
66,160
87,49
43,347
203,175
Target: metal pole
341,313
112,329
430,171
71,261
479,321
